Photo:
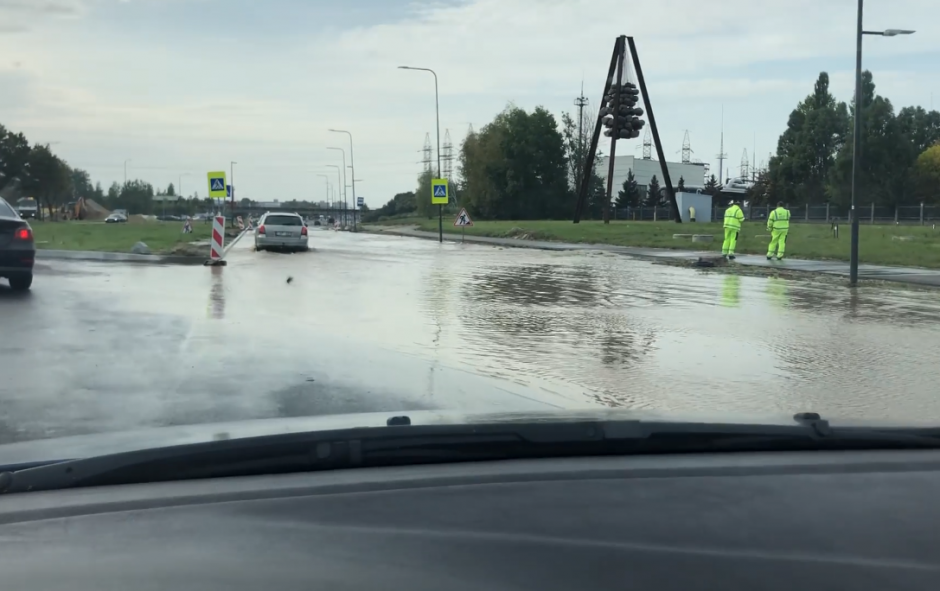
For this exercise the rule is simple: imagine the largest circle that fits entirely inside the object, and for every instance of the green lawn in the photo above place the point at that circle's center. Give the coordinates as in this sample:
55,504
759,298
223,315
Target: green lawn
160,237
877,244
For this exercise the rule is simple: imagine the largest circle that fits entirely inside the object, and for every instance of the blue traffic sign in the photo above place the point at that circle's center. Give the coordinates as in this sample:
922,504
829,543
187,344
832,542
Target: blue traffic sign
440,191
360,201
228,190
218,184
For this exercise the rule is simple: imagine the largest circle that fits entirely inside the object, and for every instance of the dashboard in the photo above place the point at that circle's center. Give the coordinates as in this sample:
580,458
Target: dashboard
805,520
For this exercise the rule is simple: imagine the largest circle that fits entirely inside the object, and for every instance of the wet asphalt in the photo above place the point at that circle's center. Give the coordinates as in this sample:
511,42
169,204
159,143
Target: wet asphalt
387,323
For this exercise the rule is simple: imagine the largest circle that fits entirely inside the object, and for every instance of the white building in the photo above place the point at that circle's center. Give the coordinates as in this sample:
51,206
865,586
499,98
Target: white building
693,174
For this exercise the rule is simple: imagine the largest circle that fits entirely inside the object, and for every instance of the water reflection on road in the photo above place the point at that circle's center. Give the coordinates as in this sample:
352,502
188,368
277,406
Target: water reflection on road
379,323
628,333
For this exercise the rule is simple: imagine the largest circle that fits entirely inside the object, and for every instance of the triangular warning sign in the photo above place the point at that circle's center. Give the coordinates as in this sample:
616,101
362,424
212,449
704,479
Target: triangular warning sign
463,219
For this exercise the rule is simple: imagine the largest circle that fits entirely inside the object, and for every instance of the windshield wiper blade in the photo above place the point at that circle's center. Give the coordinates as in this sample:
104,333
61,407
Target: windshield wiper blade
407,445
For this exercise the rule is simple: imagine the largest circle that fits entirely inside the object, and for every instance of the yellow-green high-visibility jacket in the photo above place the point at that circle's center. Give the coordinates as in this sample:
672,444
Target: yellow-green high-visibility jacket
779,219
733,217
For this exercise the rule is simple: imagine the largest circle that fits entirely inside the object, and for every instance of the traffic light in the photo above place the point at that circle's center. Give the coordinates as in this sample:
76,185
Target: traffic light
627,123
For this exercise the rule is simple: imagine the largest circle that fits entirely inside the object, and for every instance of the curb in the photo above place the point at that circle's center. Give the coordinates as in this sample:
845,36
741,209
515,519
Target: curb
117,257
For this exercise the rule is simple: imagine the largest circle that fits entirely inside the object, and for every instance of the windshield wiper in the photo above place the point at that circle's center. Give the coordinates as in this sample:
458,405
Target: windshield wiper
403,444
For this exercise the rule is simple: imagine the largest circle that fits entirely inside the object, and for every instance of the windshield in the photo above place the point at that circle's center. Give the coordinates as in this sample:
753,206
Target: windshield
505,228
283,220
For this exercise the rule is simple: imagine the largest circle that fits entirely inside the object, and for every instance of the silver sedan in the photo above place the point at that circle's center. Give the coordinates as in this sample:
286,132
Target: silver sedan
283,231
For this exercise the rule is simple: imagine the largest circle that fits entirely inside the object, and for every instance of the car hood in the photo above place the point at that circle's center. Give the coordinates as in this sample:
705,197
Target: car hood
84,446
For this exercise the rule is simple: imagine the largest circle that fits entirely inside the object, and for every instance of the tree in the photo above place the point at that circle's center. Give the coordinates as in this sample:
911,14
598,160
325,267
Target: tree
515,167
712,187
47,178
806,151
171,190
653,190
927,175
423,206
14,157
629,194
885,155
761,192
680,188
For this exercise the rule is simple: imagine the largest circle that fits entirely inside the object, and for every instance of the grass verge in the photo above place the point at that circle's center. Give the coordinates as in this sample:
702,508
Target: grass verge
906,246
160,237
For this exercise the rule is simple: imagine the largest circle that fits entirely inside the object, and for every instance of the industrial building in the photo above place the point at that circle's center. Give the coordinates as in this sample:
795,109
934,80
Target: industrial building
643,170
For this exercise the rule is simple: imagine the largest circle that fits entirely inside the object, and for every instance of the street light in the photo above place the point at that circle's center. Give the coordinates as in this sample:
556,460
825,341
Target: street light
853,245
437,109
344,179
352,167
179,190
327,178
338,181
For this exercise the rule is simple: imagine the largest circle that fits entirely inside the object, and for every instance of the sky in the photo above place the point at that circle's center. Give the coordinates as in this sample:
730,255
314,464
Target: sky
182,87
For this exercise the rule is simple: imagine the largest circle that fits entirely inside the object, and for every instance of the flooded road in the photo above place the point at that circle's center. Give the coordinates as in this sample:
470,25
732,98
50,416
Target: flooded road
383,323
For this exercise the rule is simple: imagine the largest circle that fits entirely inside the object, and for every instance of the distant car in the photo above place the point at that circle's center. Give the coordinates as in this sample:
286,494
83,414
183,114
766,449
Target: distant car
17,248
115,218
283,231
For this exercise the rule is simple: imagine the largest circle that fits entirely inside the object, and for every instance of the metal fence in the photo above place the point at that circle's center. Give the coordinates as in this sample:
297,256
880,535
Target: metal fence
868,214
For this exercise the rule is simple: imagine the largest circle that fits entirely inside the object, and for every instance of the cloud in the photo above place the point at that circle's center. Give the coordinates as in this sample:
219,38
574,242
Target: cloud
187,84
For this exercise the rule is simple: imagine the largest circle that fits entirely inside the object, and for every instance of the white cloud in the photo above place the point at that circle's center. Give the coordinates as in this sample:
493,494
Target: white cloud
111,89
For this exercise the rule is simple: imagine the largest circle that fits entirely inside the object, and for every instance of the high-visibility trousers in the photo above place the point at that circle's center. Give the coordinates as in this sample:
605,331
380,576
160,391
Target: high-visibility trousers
778,243
731,240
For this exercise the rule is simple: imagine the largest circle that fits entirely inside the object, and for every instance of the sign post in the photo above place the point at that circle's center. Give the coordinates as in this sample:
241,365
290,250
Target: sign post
463,220
439,197
217,187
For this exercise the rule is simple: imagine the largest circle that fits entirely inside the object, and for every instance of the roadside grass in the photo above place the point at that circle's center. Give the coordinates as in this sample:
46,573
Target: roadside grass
160,237
878,244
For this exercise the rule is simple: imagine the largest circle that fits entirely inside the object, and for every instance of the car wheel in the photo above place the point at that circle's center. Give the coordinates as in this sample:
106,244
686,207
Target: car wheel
21,282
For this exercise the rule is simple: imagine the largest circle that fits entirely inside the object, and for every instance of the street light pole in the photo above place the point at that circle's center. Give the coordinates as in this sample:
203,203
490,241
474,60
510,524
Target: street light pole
856,133
125,170
338,181
437,111
233,193
179,190
344,176
327,179
352,167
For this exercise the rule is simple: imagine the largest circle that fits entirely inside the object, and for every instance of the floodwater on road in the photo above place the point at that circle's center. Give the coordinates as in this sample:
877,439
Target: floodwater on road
384,323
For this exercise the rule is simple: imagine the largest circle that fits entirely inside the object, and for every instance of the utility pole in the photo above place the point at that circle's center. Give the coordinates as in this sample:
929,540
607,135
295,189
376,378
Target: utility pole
581,102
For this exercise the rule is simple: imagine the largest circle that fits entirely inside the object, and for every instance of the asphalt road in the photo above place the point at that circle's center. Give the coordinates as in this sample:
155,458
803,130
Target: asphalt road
384,323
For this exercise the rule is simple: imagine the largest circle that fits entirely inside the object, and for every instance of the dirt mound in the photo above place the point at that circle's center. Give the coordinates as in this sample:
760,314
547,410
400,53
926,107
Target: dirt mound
94,210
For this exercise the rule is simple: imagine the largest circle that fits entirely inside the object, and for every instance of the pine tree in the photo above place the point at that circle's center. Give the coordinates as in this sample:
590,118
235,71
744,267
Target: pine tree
629,194
652,192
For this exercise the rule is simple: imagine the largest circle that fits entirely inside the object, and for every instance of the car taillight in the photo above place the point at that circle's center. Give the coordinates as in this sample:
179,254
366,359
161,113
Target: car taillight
303,231
23,234
261,229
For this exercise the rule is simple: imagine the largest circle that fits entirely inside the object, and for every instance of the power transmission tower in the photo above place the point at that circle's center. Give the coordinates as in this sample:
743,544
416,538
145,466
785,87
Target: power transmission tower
647,145
745,165
427,152
721,152
686,148
447,155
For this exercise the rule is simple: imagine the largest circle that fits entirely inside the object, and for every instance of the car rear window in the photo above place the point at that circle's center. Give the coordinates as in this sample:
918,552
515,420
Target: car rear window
283,220
7,211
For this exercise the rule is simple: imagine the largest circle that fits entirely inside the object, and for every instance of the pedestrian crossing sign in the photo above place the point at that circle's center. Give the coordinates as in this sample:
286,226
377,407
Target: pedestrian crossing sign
439,192
217,186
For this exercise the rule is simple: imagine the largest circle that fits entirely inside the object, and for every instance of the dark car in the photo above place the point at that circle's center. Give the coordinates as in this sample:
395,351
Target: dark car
115,218
17,248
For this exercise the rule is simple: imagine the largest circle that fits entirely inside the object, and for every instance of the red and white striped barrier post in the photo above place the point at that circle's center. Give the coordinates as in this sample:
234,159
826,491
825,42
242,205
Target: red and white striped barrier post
216,251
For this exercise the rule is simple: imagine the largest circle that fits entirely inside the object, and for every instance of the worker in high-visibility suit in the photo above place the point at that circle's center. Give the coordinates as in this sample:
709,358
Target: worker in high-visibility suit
778,224
734,216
